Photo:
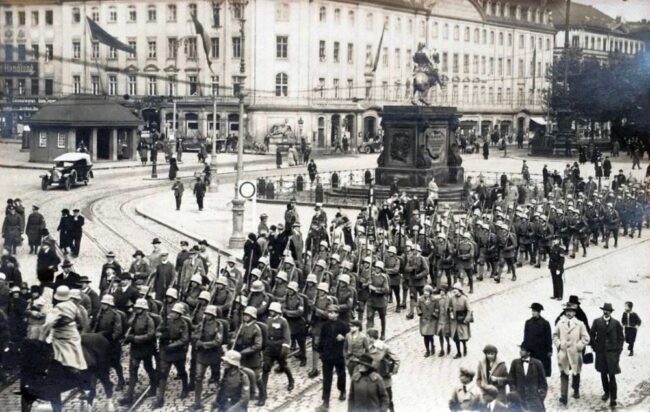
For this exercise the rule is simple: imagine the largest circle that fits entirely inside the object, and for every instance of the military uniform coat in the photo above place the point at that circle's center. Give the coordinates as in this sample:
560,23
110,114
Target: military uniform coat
607,340
175,349
143,333
249,344
35,224
210,335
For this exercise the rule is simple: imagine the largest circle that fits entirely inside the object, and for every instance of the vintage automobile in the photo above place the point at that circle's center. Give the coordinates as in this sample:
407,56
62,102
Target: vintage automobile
70,169
371,146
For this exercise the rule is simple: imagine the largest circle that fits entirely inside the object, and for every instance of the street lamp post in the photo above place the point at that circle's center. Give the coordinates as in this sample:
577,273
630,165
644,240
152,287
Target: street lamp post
237,238
213,157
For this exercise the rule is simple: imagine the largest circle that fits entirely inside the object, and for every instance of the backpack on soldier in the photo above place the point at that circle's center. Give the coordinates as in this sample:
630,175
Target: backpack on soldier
225,330
252,381
124,322
264,328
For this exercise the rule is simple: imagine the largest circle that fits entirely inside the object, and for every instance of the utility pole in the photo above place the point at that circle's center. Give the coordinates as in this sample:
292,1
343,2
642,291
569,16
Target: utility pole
237,238
213,157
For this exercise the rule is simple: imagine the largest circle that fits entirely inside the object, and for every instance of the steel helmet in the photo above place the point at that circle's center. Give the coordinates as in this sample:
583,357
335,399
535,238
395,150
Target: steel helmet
283,275
205,295
336,257
257,286
344,278
196,279
256,272
210,310
108,300
264,260
321,263
251,311
392,249
172,293
379,265
141,303
275,307
323,287
293,286
311,278
179,308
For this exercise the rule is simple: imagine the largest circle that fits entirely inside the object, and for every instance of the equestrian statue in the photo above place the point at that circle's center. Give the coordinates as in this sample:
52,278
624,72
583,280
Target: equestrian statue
425,75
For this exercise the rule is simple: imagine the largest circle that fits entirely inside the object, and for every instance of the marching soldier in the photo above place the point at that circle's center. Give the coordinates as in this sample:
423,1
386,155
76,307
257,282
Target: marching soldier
345,296
174,337
223,297
142,337
294,311
524,230
443,258
363,283
277,348
259,300
377,300
209,337
249,342
234,388
318,317
612,223
580,232
109,323
392,265
507,247
417,269
465,262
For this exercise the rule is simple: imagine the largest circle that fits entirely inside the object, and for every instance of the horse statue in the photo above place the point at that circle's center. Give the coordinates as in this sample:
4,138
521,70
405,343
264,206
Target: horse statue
42,377
425,75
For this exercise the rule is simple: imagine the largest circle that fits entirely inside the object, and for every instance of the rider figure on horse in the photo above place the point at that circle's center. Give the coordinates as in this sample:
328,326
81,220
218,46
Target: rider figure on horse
423,62
60,329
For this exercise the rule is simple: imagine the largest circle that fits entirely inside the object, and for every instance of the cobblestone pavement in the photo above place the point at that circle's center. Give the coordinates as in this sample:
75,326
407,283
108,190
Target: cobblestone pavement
112,224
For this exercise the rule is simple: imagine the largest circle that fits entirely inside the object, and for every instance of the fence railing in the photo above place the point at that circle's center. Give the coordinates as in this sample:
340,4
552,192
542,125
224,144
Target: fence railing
305,190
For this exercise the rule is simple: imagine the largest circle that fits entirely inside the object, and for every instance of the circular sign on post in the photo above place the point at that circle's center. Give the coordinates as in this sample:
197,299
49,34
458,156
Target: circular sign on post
247,189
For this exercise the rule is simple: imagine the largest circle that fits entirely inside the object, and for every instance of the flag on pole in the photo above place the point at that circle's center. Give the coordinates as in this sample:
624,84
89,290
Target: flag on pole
198,27
100,35
381,40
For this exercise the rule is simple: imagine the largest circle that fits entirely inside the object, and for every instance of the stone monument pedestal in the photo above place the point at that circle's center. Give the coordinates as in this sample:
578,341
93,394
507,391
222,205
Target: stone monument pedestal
419,144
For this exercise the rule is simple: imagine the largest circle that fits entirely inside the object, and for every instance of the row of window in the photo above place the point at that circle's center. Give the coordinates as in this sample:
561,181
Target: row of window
491,66
21,19
151,83
189,47
517,12
151,13
21,53
597,43
18,87
370,20
61,140
492,37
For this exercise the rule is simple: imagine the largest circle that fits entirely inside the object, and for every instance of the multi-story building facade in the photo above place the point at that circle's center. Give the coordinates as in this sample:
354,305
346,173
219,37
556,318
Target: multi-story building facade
321,67
31,37
593,32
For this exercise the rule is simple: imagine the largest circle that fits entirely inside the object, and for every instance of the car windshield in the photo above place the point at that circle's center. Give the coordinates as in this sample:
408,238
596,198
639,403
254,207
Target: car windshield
64,164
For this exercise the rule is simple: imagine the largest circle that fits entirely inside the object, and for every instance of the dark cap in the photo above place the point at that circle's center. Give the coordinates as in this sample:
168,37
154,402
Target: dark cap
156,241
66,264
490,349
574,299
84,279
537,307
184,243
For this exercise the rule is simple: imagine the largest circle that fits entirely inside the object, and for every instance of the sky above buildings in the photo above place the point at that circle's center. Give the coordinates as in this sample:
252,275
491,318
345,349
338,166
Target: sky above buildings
630,10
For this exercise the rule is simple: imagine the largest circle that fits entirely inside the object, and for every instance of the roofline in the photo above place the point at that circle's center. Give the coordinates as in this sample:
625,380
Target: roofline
61,123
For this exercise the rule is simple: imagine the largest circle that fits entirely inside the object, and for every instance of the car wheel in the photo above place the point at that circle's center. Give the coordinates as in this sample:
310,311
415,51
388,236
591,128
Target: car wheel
44,183
86,182
367,150
67,184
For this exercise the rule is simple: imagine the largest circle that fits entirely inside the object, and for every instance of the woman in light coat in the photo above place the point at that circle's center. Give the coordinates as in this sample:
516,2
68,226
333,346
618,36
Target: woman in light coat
460,316
426,311
570,338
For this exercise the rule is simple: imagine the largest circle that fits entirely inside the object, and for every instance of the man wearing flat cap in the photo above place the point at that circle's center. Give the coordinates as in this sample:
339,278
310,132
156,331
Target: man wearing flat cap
35,223
607,340
537,336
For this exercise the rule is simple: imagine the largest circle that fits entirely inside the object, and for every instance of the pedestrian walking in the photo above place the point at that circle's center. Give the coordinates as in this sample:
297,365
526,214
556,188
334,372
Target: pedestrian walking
460,315
528,380
12,230
636,159
492,371
47,263
77,223
330,347
178,190
199,192
64,228
426,311
607,340
173,167
556,266
486,150
466,396
537,337
312,170
607,167
570,339
278,158
631,323
33,229
143,150
367,391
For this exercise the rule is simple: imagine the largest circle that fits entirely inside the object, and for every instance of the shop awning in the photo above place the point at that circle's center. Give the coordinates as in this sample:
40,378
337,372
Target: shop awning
538,119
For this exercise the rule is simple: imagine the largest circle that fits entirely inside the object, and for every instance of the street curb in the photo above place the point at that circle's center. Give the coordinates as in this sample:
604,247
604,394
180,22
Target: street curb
195,237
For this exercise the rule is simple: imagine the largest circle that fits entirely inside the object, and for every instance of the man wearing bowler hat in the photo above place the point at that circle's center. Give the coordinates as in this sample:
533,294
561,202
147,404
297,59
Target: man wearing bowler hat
580,314
67,277
139,268
537,336
607,340
154,256
527,379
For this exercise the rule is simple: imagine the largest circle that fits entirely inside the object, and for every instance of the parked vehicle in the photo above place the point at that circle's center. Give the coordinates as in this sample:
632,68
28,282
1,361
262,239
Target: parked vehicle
70,169
370,146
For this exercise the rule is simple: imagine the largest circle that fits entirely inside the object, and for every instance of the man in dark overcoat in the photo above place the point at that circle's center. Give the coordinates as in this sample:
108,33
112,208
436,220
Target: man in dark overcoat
527,379
607,340
163,275
537,336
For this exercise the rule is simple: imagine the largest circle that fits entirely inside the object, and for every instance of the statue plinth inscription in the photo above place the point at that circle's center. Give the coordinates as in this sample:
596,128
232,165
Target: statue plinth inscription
419,143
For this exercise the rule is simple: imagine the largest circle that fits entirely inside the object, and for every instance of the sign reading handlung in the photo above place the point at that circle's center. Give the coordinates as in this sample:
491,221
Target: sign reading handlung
18,69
